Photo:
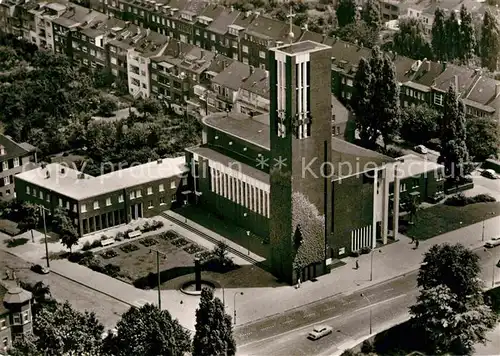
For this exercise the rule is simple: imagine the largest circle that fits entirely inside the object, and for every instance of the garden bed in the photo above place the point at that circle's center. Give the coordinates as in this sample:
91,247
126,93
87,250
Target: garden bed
169,235
180,242
109,254
148,242
129,248
193,249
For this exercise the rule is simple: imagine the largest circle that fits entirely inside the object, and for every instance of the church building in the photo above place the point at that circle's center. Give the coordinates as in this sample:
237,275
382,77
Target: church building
313,197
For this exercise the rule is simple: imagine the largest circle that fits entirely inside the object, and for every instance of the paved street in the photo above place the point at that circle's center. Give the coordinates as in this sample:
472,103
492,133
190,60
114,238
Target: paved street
485,185
107,309
286,334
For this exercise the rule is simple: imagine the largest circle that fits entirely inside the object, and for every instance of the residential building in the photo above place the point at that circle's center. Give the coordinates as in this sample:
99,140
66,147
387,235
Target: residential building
390,9
15,158
97,203
139,59
15,316
253,95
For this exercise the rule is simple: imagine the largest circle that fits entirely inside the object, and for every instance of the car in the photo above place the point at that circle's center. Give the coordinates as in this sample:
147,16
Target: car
493,242
421,149
319,331
40,269
489,173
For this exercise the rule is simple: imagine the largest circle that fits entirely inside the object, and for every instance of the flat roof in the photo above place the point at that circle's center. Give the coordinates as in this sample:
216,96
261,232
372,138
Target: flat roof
215,156
65,180
241,126
412,165
302,47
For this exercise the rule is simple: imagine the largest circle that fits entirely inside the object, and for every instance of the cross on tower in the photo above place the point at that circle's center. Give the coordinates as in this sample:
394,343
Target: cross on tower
290,16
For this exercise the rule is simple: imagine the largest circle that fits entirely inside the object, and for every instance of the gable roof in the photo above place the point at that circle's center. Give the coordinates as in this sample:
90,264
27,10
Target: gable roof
233,75
461,78
224,19
13,149
257,83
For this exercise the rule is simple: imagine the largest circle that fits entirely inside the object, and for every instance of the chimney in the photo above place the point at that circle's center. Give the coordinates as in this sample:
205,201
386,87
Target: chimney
444,65
497,89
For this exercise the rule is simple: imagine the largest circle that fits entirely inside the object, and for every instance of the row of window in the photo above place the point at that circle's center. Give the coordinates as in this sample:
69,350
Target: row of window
5,164
239,192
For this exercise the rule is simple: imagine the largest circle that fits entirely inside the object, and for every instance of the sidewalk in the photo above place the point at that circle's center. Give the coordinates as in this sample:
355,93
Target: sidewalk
394,260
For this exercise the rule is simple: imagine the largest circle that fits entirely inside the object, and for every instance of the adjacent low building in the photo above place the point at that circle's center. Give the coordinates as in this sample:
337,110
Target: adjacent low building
14,159
97,203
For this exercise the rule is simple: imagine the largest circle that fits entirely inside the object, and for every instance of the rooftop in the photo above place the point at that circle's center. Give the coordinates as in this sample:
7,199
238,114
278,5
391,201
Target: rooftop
412,165
14,149
65,181
241,126
224,160
302,47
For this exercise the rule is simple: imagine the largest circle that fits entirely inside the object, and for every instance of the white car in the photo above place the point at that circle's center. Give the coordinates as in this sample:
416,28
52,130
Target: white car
319,331
489,173
493,242
420,149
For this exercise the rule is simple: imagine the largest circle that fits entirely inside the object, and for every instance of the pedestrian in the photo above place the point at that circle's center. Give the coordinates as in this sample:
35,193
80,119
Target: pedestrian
14,275
7,275
357,264
412,240
416,244
298,283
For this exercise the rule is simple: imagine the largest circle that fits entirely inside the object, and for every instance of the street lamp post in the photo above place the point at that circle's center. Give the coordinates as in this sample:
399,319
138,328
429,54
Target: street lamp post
234,303
158,253
482,234
42,209
369,302
371,264
493,269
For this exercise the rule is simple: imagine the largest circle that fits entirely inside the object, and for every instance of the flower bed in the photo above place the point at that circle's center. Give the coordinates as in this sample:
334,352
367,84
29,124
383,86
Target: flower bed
129,248
192,249
109,254
203,256
169,235
180,242
148,242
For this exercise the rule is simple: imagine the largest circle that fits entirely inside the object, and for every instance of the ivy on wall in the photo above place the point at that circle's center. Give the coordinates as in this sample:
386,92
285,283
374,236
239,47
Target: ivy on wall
308,228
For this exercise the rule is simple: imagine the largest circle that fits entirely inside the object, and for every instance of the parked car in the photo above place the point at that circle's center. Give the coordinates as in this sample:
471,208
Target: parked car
40,269
489,173
421,149
493,242
319,331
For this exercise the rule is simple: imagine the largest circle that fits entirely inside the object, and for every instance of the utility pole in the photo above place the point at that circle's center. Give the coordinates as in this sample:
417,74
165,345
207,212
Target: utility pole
42,208
158,253
369,302
482,235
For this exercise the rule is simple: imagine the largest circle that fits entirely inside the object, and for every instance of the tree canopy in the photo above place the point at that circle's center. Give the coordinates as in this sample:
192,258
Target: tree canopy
214,331
346,12
411,41
483,138
419,124
148,331
489,45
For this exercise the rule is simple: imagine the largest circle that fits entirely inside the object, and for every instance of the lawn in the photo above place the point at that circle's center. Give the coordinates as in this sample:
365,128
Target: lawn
439,219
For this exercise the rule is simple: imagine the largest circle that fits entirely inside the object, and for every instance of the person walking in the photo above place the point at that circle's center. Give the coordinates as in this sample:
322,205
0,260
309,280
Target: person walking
357,264
298,283
412,240
416,244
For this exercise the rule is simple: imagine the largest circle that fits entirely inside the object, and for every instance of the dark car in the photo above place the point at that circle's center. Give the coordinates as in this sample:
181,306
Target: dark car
40,269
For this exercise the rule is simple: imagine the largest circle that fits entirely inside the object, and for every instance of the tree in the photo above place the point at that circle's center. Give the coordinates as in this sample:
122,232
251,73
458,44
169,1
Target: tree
449,324
454,153
389,118
63,330
452,30
30,217
419,124
346,12
467,36
149,331
483,138
69,235
358,32
489,45
439,40
361,99
214,331
411,40
454,266
371,15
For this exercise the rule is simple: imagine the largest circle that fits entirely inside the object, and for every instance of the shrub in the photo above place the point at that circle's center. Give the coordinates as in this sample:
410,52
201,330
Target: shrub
104,237
180,242
86,246
76,257
203,256
367,347
146,227
118,238
16,242
120,235
461,200
96,243
109,254
169,235
365,250
129,248
157,224
138,228
193,249
354,254
112,270
148,242
127,233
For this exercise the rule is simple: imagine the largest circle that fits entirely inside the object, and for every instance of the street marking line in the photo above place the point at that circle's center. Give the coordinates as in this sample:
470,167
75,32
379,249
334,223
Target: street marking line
324,320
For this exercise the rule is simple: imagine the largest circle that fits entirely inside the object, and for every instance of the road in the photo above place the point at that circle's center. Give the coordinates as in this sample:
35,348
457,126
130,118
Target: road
108,310
349,315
